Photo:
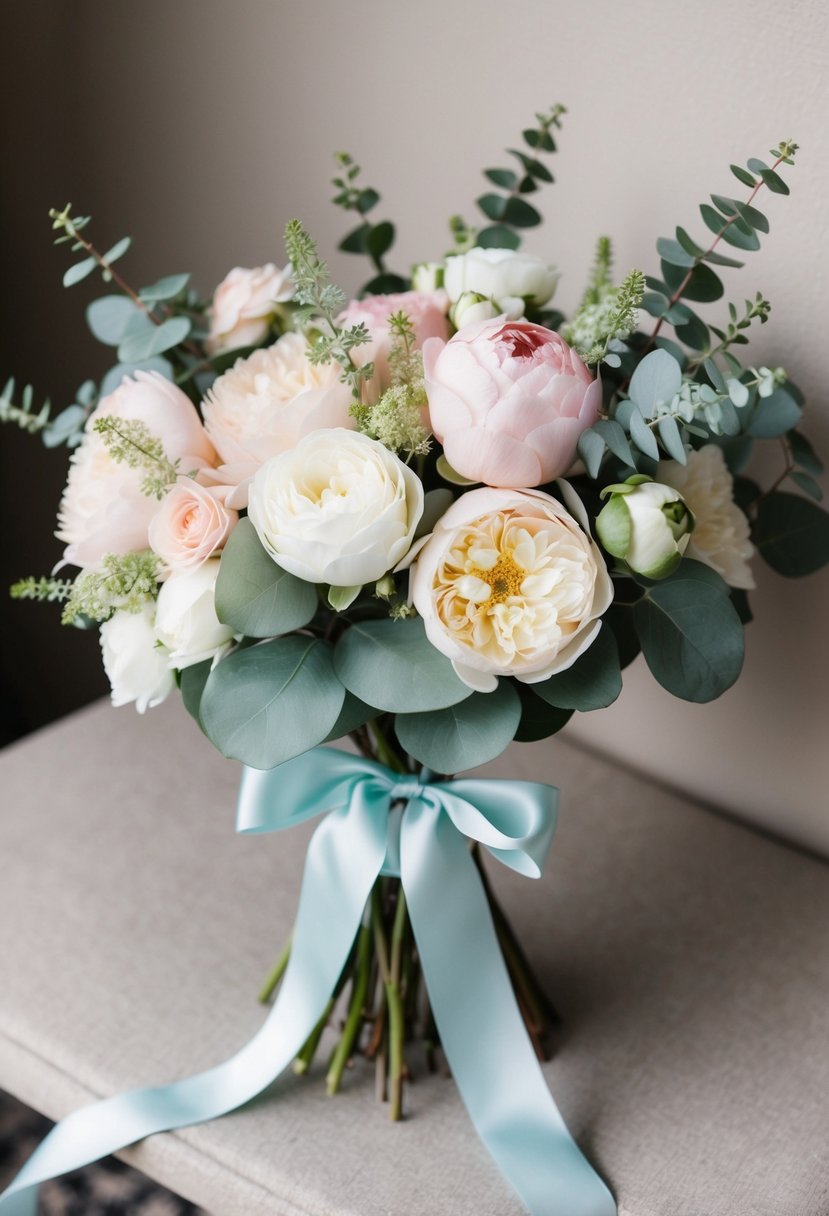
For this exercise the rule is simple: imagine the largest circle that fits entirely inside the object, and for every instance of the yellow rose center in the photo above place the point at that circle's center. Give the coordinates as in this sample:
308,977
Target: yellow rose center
504,578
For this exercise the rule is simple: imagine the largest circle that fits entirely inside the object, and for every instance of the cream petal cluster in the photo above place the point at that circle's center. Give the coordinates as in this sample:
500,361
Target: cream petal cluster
504,279
243,305
425,309
646,524
265,404
510,584
103,509
339,508
721,537
190,526
186,622
508,400
137,667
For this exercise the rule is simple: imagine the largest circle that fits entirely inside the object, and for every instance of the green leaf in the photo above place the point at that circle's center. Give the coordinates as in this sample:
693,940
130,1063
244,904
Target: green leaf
341,598
672,439
385,284
719,259
736,233
118,250
354,713
109,316
520,214
693,331
534,167
165,289
591,448
79,271
494,206
502,177
380,239
691,635
267,703
703,285
774,415
689,245
792,534
116,374
254,595
464,735
538,719
393,665
355,241
772,181
614,436
714,375
593,682
804,454
656,381
807,484
191,682
673,252
496,236
154,341
539,139
750,215
367,199
742,175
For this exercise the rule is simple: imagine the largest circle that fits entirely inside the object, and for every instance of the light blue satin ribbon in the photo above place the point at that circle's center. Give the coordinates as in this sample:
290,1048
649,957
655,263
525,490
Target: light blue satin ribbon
480,1026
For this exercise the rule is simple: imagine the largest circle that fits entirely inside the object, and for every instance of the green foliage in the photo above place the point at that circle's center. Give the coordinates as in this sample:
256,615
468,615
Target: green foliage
538,719
396,418
373,240
393,665
593,682
126,582
791,533
607,314
23,415
70,228
45,590
690,632
266,703
131,442
464,735
191,683
254,595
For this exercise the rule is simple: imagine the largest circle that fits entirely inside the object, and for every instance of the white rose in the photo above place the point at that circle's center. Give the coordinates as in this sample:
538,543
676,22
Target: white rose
186,620
646,524
340,508
721,536
243,305
427,276
135,664
510,584
502,275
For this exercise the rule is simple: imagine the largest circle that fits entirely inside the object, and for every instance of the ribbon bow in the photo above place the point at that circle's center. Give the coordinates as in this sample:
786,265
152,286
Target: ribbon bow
368,832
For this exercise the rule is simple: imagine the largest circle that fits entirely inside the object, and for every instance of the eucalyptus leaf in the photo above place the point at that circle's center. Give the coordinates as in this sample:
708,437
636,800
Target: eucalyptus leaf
267,703
155,341
703,284
806,483
380,239
505,178
78,272
792,534
591,448
538,719
593,682
354,713
613,434
165,289
109,316
494,206
673,252
519,213
116,374
191,682
496,236
672,439
656,381
642,435
393,665
254,595
804,454
465,735
118,250
774,415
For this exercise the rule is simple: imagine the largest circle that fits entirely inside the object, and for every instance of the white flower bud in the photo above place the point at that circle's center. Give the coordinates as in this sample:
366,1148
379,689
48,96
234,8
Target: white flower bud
470,308
427,276
646,524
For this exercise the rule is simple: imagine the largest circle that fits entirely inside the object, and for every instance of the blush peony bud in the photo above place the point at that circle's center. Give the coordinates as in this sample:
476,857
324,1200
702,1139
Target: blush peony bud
645,524
508,400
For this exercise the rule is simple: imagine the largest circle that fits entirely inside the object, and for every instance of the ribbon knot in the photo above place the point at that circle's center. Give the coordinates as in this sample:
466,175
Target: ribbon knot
368,832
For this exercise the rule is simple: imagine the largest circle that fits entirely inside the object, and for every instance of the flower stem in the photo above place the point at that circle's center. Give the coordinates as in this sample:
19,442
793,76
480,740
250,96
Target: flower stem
394,1001
269,987
356,1012
306,1053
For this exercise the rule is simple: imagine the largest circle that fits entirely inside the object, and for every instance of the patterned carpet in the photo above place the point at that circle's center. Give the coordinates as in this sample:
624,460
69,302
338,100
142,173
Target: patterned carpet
107,1189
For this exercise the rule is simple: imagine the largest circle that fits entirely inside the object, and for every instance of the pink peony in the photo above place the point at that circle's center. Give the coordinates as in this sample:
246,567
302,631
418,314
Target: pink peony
508,401
425,309
103,509
190,526
243,305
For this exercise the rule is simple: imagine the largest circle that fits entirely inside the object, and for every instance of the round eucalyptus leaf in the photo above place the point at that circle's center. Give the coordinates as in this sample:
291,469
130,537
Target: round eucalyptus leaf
464,735
593,682
792,534
255,596
191,682
393,665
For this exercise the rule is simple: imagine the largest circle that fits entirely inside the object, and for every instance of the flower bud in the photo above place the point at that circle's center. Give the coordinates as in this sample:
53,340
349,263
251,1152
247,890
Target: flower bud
470,308
646,524
427,276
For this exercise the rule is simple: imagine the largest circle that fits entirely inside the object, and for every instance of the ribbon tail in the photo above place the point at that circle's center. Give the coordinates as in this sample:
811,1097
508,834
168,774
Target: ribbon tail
481,1028
341,868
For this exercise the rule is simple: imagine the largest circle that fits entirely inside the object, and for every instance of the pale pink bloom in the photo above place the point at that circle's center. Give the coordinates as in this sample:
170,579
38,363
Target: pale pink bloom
191,525
425,309
243,305
508,401
510,584
103,509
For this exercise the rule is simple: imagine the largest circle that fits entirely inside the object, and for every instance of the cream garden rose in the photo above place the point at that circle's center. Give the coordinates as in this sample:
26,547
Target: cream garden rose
339,508
137,667
510,584
190,526
186,622
507,278
243,305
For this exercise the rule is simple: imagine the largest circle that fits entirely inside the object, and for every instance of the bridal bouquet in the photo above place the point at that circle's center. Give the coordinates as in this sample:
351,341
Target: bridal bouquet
435,518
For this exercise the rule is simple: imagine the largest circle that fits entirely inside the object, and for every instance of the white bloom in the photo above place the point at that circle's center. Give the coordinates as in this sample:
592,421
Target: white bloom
243,305
509,278
647,525
509,584
427,276
470,308
721,536
186,620
264,405
340,508
135,664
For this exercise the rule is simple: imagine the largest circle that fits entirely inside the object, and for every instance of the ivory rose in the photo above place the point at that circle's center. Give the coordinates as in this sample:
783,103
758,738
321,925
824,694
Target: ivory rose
340,508
135,664
186,622
425,309
243,305
510,584
103,509
190,525
507,277
508,401
265,403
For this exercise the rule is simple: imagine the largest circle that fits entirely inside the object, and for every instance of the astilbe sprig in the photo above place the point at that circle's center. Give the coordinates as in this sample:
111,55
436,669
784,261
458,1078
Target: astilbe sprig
396,418
131,442
607,314
126,583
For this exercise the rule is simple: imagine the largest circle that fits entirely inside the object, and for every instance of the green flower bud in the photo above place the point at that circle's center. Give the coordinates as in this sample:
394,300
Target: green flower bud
645,524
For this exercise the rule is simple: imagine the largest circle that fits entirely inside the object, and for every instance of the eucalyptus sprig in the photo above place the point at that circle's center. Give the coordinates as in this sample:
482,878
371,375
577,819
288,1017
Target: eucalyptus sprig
23,415
373,240
320,302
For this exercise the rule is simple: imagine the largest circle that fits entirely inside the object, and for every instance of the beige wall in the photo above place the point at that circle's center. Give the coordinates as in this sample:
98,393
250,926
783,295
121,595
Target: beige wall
200,127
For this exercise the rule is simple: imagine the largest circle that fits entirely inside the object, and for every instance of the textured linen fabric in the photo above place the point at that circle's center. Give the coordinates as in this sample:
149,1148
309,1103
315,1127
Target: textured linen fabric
689,958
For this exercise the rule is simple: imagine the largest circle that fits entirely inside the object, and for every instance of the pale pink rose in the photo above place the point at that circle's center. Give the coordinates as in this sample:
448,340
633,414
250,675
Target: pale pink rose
510,584
103,509
190,525
425,309
267,402
508,401
243,305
